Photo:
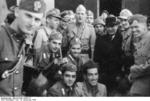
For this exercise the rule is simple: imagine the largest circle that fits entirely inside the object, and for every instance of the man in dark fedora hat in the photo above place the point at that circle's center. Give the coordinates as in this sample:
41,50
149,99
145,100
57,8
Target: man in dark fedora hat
111,63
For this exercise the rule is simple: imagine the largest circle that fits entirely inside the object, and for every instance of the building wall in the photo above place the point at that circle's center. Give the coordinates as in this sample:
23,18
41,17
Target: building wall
68,4
3,10
138,6
49,4
91,5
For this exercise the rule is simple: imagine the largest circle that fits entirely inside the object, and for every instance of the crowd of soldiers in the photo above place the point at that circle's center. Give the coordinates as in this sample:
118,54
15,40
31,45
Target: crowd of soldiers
72,54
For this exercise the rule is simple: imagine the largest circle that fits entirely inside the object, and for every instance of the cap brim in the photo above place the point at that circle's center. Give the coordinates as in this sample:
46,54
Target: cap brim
123,17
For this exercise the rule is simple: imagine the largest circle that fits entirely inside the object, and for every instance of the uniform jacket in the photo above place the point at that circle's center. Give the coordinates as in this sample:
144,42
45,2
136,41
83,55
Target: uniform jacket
44,57
59,89
9,47
86,34
140,71
41,37
142,57
85,90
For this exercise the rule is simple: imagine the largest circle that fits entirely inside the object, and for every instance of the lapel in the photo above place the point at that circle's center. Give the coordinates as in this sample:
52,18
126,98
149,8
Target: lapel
74,31
72,60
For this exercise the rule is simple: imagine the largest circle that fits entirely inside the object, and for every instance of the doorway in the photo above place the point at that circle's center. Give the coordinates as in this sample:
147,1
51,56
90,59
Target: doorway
112,6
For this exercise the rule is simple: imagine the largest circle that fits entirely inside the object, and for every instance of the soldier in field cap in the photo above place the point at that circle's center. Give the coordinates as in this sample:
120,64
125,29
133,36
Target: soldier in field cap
65,87
28,18
52,23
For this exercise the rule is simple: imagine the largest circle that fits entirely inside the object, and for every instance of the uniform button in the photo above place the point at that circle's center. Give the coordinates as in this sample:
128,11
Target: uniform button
17,72
5,58
15,88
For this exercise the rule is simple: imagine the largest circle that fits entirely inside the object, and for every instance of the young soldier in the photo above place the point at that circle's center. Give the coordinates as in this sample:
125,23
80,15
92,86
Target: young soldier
52,23
46,61
65,87
28,18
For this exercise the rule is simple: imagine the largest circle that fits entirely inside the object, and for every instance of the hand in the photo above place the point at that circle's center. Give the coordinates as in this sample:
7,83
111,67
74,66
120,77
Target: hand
64,60
136,68
5,74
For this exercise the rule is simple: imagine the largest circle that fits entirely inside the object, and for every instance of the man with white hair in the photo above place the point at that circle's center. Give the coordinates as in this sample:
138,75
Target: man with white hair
85,32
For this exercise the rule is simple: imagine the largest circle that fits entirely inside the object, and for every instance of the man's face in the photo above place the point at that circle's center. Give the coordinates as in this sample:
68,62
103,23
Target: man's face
138,29
99,29
53,22
54,45
75,50
80,16
69,78
112,30
92,76
28,21
90,19
124,24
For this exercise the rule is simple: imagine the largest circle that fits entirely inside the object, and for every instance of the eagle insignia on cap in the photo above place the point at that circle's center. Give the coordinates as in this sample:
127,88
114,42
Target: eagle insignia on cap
37,5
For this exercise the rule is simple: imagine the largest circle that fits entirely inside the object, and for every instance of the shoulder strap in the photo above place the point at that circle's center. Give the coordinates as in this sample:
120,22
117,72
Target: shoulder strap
46,32
19,55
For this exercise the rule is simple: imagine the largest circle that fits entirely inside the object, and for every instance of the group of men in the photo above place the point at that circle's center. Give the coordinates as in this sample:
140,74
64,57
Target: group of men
71,54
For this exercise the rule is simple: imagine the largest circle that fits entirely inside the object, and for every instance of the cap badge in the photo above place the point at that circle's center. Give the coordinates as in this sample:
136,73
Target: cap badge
37,5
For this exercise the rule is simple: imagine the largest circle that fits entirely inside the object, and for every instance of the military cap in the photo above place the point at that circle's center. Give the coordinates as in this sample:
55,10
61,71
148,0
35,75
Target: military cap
54,13
37,6
80,8
139,18
55,35
69,67
111,21
125,14
89,13
105,11
99,20
75,41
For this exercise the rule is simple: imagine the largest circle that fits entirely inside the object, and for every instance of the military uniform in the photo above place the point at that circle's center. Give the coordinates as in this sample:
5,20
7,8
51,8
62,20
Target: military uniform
45,72
60,89
41,37
140,71
87,36
9,47
127,47
84,89
43,58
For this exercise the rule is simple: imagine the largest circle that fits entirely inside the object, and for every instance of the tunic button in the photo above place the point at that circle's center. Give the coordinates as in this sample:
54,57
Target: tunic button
17,72
5,58
15,88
